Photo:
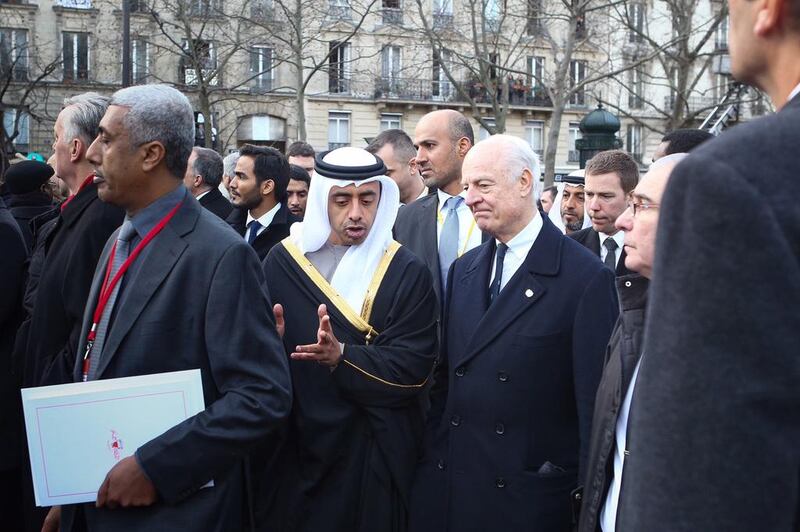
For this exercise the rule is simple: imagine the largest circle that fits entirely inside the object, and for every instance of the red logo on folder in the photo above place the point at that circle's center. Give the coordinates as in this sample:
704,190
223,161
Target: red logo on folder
115,445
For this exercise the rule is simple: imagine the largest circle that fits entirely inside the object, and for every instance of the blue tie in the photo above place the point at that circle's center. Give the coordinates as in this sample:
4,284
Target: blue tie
126,233
448,241
254,226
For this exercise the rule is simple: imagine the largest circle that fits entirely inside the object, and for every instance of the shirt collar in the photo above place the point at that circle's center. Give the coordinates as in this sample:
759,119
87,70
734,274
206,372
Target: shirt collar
266,218
144,220
618,237
202,194
794,92
521,244
444,196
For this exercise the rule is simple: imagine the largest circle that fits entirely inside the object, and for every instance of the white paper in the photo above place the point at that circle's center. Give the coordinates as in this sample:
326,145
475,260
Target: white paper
77,432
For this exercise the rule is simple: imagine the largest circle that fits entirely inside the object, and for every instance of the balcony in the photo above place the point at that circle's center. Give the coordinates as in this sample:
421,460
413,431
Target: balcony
442,20
428,90
694,103
75,4
392,16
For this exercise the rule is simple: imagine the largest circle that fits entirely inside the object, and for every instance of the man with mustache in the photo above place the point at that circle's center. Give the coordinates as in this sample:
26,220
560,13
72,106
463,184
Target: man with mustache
358,315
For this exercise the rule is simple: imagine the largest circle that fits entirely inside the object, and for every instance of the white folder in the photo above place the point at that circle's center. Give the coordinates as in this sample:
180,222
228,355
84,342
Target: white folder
77,432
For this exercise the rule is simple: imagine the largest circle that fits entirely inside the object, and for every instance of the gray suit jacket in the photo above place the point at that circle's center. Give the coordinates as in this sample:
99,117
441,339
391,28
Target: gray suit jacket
197,300
714,427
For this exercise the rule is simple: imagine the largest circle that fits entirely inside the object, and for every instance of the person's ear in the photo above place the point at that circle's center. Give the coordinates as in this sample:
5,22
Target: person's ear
770,15
525,183
153,154
267,186
76,150
463,146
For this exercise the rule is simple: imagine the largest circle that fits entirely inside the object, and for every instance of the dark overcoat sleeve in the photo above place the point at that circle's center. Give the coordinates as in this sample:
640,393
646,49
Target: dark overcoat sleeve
250,370
395,368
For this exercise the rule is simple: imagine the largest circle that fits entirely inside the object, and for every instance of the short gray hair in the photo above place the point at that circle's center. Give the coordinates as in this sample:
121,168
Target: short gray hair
208,165
82,116
517,156
229,163
159,113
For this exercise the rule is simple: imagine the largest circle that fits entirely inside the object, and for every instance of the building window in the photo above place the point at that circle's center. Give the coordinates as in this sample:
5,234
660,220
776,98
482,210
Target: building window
484,133
580,18
634,142
492,14
636,21
721,35
575,134
390,70
140,60
261,10
577,73
441,87
138,6
203,8
338,130
534,134
14,54
391,121
262,71
75,47
391,12
533,24
23,128
339,67
535,77
339,9
636,88
202,54
442,13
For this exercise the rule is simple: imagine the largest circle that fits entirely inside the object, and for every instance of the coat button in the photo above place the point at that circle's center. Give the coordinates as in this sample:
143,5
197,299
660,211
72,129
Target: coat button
455,420
460,371
628,284
500,428
440,464
500,482
503,376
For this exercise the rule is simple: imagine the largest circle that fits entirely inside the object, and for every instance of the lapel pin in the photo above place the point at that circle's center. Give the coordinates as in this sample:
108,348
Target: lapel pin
528,293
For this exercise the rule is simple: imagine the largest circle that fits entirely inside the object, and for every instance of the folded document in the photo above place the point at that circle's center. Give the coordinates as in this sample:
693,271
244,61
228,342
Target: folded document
77,432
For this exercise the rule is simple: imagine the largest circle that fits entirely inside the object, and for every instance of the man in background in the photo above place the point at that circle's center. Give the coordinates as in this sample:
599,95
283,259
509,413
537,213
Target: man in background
397,152
302,154
203,177
297,190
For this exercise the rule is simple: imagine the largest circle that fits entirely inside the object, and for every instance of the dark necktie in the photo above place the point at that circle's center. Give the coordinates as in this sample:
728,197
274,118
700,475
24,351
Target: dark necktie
254,227
611,257
494,288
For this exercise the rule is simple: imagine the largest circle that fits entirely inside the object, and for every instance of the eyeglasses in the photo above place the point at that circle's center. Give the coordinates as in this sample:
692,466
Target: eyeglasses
637,207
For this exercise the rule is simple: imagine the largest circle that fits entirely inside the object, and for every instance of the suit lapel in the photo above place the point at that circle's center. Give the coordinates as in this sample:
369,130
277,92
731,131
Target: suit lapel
471,292
157,262
429,238
593,241
521,292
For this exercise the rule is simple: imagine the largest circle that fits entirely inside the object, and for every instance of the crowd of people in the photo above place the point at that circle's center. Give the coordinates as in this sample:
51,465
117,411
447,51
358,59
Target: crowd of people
410,337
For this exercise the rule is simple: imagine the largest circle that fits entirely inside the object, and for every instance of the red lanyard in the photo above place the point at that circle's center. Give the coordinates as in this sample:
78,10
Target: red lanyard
107,288
86,182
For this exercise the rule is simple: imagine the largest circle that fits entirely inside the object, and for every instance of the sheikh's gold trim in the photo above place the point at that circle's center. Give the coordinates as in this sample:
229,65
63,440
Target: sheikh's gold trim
377,279
360,322
371,376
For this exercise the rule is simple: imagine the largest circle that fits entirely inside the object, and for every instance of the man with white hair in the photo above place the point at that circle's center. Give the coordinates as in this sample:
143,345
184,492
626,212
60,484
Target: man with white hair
522,352
175,289
358,313
228,172
604,474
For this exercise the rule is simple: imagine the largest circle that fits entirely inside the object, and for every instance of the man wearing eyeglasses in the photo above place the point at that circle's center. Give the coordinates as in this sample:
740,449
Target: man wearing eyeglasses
608,443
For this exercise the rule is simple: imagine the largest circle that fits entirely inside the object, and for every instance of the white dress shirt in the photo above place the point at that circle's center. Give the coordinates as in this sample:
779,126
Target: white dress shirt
518,249
619,238
469,235
202,194
608,514
265,219
794,92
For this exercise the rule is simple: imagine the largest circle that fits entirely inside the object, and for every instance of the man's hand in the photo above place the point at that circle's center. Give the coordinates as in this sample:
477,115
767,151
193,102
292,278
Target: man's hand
280,325
327,350
126,485
53,520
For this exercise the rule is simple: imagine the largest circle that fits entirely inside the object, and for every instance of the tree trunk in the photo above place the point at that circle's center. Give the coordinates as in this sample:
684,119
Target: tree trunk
552,142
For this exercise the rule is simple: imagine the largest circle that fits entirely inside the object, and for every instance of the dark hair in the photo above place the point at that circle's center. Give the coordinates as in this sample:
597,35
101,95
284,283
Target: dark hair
399,140
269,163
552,190
459,127
208,165
298,173
300,149
685,140
616,161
